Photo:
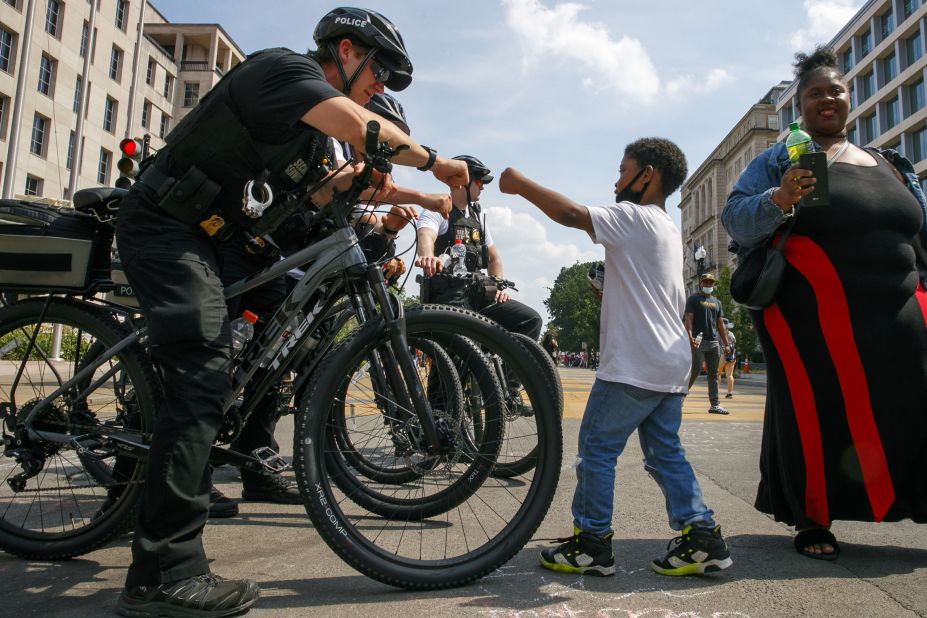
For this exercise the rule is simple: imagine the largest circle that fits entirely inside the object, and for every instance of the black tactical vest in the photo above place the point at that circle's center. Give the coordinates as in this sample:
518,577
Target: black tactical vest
213,138
469,231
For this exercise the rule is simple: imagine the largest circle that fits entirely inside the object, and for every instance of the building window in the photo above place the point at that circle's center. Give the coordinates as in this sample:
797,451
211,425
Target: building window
168,86
890,68
909,7
6,50
84,36
39,135
115,63
33,186
103,168
109,114
70,158
851,91
772,122
77,90
165,125
191,93
53,18
87,99
149,76
865,42
888,24
12,3
892,113
122,14
146,113
46,75
4,110
919,143
868,85
847,60
916,94
851,135
914,48
872,129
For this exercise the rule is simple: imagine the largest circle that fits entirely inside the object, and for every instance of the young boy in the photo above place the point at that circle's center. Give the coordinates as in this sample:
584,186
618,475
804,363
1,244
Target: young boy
642,386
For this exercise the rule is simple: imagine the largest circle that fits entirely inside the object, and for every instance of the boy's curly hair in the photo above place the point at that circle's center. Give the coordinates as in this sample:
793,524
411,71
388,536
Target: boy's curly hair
663,155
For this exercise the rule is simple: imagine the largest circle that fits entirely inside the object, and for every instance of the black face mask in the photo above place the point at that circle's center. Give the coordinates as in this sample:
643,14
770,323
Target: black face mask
627,195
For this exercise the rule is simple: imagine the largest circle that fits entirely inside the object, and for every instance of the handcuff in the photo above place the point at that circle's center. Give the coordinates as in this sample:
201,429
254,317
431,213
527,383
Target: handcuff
254,206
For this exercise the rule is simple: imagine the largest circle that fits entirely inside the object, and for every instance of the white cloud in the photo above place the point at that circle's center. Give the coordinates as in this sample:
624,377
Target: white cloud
530,257
825,19
687,84
606,63
621,66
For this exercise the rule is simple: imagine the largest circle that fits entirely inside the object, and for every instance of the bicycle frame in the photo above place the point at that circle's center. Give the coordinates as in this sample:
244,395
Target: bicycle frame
335,256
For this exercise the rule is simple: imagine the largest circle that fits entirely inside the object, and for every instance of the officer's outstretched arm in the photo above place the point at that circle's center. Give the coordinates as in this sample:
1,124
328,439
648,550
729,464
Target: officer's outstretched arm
346,121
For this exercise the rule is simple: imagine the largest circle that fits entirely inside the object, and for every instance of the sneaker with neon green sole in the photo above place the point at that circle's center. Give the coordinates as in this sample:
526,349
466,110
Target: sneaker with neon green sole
582,553
695,552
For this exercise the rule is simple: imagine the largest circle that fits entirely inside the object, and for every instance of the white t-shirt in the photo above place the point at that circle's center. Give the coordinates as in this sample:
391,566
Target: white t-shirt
643,341
434,221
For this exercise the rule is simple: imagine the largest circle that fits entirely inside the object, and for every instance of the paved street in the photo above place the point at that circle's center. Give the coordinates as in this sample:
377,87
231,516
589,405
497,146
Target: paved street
882,572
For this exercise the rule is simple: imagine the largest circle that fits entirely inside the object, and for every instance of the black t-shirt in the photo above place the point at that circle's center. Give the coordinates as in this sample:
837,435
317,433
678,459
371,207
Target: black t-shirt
272,92
705,311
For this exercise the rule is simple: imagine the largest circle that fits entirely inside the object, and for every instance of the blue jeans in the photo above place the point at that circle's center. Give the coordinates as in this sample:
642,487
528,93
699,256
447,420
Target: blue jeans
612,414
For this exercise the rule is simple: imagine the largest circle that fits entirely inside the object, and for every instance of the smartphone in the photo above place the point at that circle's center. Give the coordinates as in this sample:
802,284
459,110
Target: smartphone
816,162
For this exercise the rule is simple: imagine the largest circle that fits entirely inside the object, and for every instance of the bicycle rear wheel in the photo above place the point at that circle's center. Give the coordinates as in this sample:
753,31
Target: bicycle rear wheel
482,521
59,500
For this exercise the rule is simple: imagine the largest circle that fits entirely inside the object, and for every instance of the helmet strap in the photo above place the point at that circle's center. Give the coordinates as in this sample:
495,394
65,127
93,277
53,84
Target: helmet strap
347,83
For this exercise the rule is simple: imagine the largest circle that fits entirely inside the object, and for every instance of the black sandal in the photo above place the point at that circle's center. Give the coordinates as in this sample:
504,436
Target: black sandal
816,536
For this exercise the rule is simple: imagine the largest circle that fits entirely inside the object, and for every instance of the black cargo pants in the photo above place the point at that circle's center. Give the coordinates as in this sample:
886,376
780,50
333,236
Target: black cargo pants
174,272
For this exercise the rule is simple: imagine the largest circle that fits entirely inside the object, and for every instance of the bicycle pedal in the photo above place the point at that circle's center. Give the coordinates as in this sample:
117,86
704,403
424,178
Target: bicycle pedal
270,459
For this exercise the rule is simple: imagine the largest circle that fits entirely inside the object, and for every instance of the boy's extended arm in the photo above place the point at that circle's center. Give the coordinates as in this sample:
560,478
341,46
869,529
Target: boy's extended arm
555,205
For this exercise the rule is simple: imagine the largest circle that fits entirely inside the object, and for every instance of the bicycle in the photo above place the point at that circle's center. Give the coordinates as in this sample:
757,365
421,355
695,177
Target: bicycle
75,445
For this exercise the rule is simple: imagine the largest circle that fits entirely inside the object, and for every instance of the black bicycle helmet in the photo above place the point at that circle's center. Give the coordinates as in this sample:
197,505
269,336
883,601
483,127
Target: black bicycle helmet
475,167
387,106
374,31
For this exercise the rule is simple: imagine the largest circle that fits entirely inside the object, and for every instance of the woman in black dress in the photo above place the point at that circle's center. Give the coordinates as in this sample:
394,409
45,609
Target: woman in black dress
845,428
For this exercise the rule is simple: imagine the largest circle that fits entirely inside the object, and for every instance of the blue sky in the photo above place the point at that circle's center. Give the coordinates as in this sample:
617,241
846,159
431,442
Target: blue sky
557,89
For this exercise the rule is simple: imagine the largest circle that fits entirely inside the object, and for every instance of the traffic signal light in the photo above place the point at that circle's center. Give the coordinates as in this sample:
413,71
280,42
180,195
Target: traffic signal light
131,149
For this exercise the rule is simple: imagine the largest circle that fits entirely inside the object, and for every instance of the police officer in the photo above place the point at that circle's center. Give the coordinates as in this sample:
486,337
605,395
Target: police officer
266,120
464,223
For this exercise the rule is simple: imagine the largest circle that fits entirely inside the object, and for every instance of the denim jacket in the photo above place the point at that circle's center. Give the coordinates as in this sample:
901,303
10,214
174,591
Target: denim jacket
751,217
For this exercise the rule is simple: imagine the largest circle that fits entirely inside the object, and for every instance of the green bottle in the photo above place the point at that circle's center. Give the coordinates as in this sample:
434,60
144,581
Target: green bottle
798,143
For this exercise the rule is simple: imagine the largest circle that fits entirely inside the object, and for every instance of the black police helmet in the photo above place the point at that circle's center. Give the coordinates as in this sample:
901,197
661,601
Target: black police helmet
374,31
387,106
476,169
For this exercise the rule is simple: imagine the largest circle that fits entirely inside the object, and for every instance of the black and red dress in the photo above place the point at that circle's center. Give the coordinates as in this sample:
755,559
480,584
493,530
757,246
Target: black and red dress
845,433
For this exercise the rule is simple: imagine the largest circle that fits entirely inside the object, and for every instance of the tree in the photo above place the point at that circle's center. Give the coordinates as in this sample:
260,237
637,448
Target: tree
574,308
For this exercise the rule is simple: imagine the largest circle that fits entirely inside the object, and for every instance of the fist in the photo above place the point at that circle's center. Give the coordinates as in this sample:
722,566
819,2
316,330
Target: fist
510,181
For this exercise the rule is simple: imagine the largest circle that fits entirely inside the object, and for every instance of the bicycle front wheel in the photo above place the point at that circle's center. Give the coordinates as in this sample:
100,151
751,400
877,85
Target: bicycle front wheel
62,499
482,521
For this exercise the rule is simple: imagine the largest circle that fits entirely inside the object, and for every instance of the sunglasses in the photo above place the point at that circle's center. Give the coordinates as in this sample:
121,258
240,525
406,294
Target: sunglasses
380,73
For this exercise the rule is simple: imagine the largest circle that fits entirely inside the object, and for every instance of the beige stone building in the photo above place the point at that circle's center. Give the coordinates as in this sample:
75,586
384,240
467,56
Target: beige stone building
136,81
706,189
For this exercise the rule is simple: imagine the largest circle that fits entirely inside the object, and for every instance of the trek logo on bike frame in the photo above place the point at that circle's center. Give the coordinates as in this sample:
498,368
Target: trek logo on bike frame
290,343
